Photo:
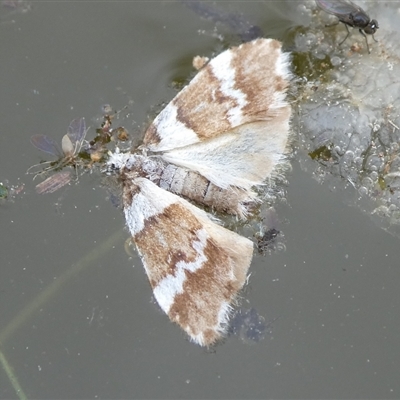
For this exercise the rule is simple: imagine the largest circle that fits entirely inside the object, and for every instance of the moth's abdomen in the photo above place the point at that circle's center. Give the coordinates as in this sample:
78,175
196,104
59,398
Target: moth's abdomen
193,186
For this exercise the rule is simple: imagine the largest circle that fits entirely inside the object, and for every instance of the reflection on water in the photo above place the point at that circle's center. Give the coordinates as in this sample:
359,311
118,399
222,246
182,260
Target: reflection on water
237,23
8,8
269,238
250,326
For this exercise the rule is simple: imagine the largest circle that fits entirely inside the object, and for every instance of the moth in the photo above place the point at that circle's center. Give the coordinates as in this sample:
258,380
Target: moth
219,139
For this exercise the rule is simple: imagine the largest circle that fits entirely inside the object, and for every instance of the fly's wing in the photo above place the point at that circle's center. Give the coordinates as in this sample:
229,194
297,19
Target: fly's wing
242,85
195,267
77,130
54,182
46,144
339,8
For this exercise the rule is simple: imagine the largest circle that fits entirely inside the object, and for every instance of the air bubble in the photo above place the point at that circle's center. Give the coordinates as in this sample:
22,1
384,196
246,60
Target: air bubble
382,211
368,182
335,61
280,246
363,191
349,154
374,176
358,161
394,147
338,149
374,163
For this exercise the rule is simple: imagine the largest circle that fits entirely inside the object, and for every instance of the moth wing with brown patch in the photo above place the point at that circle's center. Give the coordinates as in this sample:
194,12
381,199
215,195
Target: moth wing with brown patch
194,266
239,86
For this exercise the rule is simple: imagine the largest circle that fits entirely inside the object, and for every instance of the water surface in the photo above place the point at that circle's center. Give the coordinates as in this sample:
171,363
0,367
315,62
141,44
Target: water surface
77,321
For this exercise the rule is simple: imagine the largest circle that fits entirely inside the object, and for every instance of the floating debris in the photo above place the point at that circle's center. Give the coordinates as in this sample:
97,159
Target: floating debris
349,113
3,191
75,151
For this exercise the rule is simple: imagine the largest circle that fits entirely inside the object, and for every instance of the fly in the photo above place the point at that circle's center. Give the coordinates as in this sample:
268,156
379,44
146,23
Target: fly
351,15
68,155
